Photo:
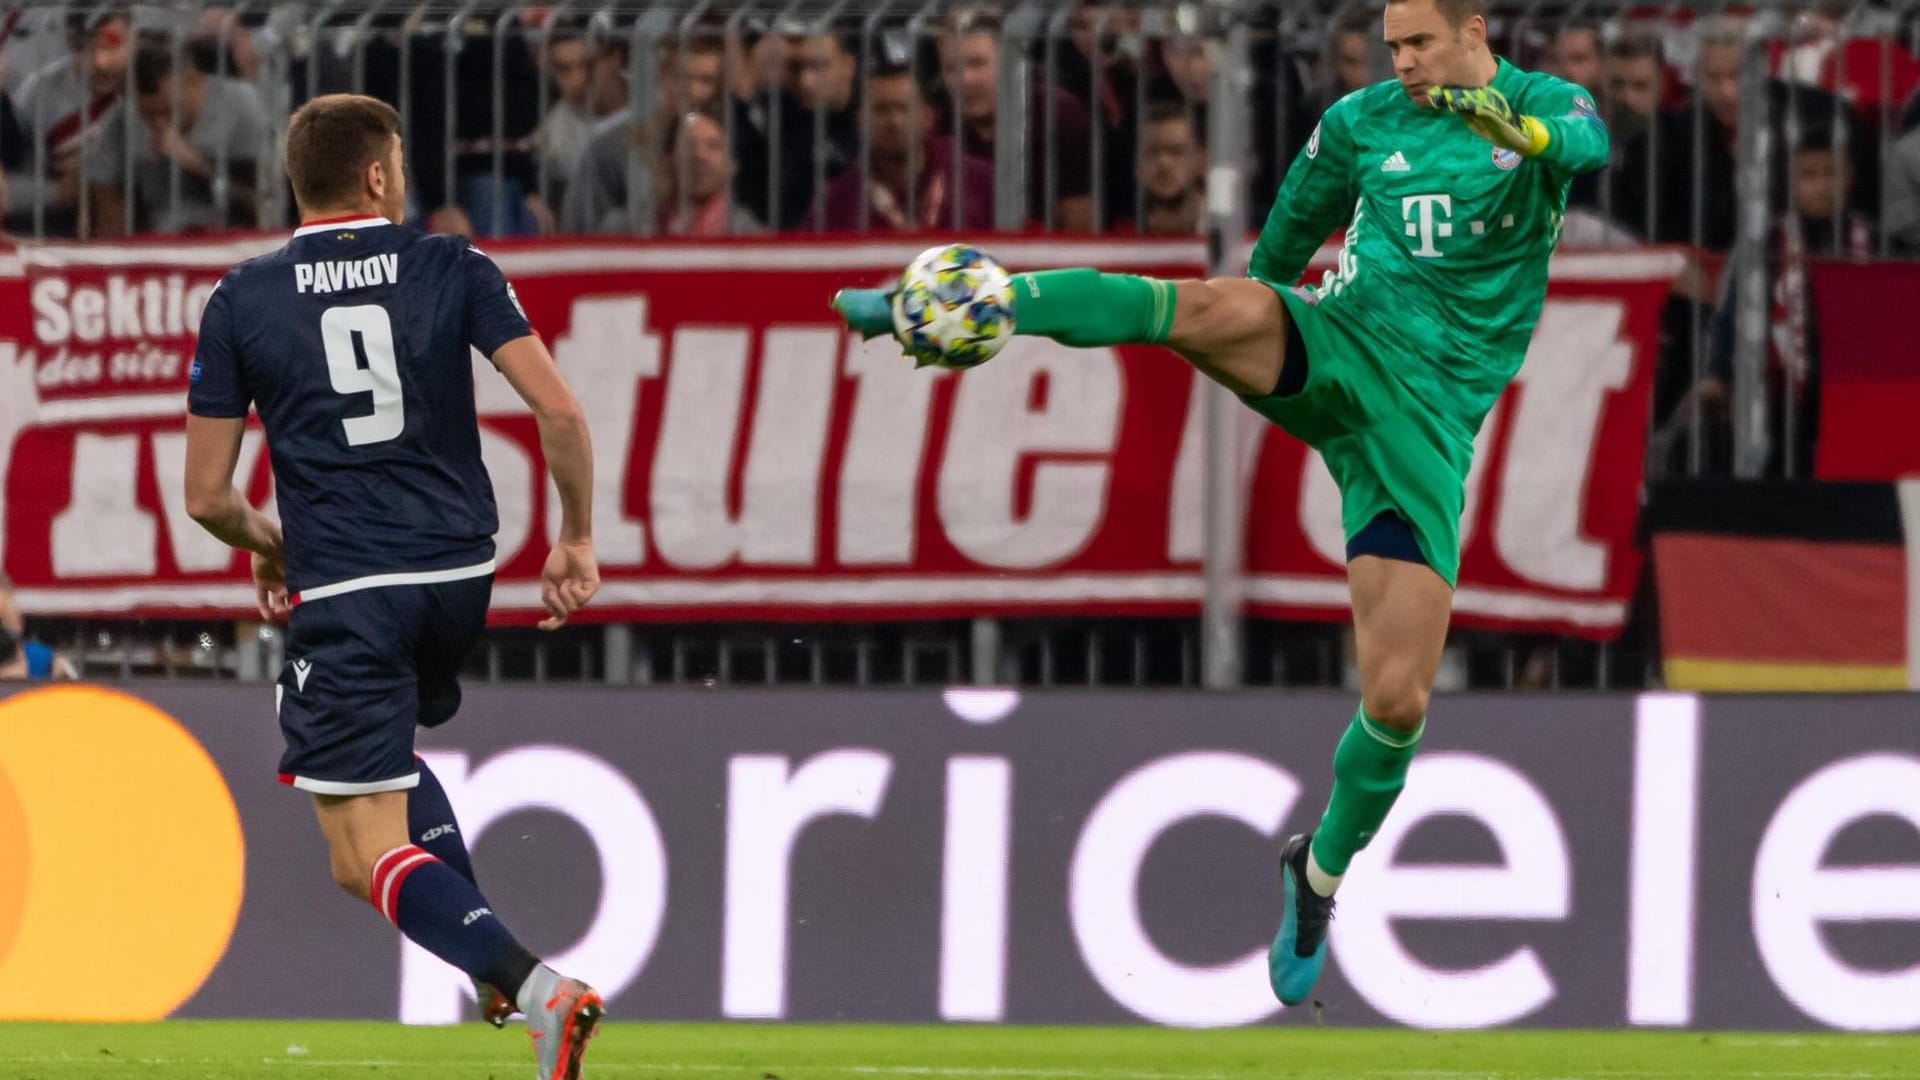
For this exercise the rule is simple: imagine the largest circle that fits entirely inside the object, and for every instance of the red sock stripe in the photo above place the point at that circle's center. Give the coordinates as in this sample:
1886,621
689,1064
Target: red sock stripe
389,872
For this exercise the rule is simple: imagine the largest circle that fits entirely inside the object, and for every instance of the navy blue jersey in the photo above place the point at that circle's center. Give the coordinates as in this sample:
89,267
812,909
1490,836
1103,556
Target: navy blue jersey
352,342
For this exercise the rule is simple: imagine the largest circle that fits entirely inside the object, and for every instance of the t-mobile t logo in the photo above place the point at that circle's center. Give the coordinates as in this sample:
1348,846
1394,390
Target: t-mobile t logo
1418,210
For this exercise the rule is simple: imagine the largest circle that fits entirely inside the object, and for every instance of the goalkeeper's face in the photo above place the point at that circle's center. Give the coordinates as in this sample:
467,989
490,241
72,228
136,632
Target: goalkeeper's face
1431,49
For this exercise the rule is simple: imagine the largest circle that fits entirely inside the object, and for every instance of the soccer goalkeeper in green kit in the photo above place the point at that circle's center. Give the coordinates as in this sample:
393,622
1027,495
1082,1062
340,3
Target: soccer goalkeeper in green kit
1452,183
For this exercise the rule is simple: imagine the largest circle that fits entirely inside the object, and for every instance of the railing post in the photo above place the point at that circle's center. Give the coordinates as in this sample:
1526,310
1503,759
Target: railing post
1222,633
1012,117
643,90
1752,441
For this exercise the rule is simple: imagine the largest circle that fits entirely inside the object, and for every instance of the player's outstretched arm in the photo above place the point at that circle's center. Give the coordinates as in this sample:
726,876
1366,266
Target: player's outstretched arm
572,574
1570,136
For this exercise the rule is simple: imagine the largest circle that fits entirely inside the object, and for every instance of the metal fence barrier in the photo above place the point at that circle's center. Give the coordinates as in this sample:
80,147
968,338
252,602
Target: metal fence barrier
1754,135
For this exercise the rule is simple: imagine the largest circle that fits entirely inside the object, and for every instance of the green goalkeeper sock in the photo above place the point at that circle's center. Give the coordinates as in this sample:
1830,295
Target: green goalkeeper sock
1369,769
1086,308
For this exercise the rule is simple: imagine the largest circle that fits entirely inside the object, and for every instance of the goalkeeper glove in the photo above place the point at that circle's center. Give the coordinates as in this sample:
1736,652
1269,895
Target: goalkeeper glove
1488,113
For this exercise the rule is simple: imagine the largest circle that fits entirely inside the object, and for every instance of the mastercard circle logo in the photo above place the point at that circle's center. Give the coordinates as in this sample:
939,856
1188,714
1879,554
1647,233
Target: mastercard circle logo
121,858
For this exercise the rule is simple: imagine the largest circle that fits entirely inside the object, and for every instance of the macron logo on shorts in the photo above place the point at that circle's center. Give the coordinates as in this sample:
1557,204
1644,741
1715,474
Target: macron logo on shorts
301,669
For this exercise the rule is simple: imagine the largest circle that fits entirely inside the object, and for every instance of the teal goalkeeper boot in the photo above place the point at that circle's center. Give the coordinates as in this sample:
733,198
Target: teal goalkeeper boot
1300,948
868,312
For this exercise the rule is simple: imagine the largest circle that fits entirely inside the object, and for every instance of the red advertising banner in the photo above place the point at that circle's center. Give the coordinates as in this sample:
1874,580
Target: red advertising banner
754,461
1869,370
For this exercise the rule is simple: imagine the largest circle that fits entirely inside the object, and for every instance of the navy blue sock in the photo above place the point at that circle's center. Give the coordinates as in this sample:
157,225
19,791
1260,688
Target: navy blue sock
443,913
431,823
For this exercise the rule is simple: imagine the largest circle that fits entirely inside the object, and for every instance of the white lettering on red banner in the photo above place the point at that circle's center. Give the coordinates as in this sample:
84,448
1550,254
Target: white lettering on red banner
753,460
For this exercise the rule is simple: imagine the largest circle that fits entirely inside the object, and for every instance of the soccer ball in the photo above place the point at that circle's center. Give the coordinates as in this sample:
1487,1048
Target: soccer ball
954,307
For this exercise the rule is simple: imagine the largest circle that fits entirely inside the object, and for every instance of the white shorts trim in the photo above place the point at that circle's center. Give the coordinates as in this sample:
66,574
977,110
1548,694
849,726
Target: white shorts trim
377,581
341,787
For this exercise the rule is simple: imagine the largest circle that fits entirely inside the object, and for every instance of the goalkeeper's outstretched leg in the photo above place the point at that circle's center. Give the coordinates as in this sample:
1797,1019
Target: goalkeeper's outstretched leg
1233,330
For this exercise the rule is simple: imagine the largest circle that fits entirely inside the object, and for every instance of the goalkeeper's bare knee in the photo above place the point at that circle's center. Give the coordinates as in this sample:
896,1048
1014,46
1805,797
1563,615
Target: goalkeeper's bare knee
1233,330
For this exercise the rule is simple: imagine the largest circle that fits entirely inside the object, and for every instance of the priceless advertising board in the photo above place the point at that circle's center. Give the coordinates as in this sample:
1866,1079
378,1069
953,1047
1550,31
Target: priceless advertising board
988,856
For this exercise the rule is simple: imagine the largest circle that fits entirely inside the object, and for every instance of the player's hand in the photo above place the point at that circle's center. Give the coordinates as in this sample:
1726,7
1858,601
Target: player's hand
1490,116
571,577
270,588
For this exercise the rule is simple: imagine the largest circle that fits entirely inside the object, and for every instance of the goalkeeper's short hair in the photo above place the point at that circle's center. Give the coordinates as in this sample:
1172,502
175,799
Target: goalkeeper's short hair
1456,11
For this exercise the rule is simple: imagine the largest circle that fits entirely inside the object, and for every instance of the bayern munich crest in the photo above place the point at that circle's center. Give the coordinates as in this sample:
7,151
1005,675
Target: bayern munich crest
1508,160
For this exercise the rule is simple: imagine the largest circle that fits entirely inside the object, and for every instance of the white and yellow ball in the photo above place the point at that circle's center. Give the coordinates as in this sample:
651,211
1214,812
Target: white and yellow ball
954,307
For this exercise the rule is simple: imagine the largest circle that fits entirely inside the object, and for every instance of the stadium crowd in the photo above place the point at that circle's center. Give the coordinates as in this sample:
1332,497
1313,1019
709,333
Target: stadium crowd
526,121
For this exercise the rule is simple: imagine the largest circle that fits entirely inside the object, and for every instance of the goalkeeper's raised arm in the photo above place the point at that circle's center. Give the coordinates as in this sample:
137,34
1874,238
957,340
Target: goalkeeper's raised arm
1563,130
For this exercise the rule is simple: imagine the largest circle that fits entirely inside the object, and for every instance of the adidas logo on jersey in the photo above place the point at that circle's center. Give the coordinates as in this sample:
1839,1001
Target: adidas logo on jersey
1396,163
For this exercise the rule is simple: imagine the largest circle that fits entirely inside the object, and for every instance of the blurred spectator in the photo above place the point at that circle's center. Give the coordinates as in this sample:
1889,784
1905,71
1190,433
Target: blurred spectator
569,123
691,73
210,131
1353,59
823,72
1902,208
1825,220
1822,223
1189,71
1632,85
31,38
22,656
970,68
590,83
451,221
224,33
1103,69
898,129
688,80
816,86
60,108
1633,82
1172,166
1722,44
1851,50
510,205
1576,55
1673,182
698,193
756,59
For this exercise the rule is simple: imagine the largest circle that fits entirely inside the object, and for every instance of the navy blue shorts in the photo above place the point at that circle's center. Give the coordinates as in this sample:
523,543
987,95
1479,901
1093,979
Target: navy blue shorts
363,669
1389,537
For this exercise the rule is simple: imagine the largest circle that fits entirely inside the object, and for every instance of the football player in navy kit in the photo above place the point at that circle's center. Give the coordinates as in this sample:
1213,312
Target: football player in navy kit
352,342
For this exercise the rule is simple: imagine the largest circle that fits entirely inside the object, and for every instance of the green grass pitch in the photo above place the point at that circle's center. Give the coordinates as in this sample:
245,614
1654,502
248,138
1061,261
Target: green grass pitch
199,1050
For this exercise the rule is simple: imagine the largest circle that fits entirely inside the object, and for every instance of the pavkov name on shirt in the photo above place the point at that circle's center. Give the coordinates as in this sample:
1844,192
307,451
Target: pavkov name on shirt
339,274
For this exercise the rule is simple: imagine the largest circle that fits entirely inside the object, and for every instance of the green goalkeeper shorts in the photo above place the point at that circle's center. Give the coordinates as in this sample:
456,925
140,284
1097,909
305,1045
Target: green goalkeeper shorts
1387,449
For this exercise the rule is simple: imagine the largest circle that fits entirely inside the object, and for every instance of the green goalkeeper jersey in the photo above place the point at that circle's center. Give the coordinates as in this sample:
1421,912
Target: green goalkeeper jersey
1448,237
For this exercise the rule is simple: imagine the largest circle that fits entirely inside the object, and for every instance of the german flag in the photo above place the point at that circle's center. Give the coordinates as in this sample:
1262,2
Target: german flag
1782,586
